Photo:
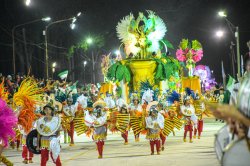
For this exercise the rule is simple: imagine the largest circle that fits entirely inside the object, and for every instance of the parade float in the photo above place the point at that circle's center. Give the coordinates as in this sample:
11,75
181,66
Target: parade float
205,75
147,63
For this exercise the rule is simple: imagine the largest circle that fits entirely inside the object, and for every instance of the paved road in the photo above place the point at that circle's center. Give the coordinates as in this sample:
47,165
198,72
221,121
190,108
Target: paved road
177,152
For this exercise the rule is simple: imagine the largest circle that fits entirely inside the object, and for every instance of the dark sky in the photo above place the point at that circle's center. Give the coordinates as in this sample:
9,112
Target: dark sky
192,19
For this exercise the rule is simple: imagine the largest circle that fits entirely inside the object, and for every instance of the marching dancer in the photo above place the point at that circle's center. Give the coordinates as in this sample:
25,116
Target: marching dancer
135,110
48,128
97,120
199,113
165,115
70,110
154,124
123,123
26,153
188,111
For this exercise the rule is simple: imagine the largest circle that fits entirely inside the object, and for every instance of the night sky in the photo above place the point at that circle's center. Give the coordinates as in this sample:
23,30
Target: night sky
192,19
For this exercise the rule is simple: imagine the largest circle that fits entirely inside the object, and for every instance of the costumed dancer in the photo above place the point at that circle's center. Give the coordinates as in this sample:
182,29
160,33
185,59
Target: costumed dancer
70,110
26,153
135,110
154,125
82,101
188,111
48,128
199,110
8,121
165,115
97,120
122,123
25,100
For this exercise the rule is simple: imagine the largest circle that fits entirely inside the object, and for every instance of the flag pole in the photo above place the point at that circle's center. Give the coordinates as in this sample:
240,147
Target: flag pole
223,75
66,78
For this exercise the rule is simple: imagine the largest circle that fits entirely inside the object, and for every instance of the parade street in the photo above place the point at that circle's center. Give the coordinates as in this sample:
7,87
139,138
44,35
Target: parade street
178,153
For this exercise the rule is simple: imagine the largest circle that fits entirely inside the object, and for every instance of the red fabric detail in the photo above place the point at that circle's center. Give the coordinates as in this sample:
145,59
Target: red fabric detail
26,154
125,136
152,146
195,131
58,161
158,145
100,147
186,129
44,156
163,139
200,125
71,132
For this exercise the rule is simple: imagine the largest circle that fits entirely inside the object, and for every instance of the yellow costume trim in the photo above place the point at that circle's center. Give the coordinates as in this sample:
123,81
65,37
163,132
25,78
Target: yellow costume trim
45,143
153,136
98,137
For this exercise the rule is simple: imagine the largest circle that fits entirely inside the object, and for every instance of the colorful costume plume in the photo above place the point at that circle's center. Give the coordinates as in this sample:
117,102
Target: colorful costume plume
174,96
28,95
8,121
3,92
142,35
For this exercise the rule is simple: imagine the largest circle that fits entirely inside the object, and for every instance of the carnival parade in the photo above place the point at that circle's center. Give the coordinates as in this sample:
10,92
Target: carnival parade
153,102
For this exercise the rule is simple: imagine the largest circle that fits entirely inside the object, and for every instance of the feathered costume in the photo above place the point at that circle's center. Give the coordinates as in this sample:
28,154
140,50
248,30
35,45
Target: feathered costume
8,120
29,94
141,39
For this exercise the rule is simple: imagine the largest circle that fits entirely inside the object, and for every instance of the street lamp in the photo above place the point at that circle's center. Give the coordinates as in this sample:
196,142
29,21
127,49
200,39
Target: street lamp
72,26
53,69
219,33
79,14
235,30
54,64
222,14
46,39
46,19
27,2
89,40
84,65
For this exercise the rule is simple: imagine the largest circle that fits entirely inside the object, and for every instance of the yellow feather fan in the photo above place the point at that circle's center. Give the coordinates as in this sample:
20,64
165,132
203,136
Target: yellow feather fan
27,96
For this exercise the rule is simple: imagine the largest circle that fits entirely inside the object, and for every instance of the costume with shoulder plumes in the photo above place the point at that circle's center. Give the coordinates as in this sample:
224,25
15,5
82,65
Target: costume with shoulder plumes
8,121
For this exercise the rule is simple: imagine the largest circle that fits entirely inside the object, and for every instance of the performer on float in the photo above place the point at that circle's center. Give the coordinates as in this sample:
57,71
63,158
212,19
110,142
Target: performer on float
8,120
164,113
122,123
154,125
188,111
69,111
97,120
48,128
135,110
